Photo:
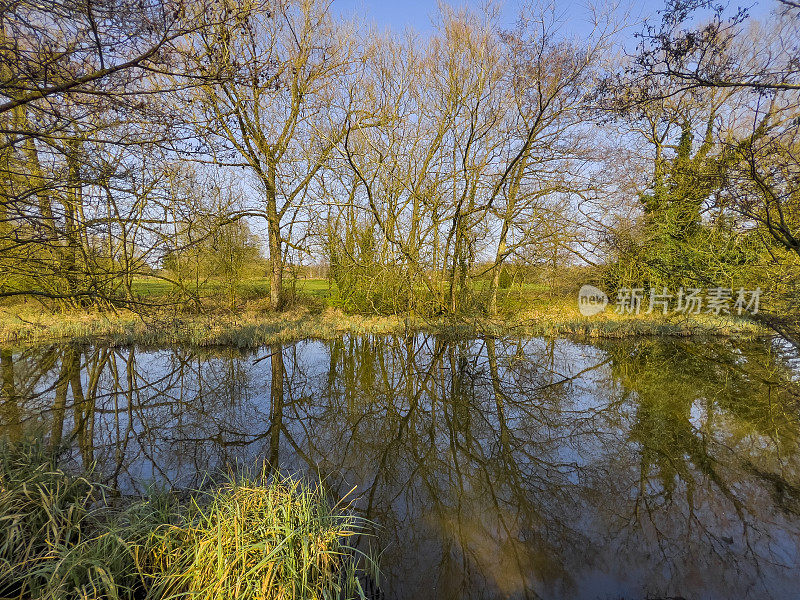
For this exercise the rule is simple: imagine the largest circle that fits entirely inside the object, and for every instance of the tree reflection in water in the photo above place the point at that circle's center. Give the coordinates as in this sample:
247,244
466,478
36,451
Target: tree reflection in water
492,467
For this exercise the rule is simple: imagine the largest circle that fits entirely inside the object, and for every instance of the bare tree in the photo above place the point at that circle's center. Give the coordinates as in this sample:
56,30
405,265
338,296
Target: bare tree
273,110
711,55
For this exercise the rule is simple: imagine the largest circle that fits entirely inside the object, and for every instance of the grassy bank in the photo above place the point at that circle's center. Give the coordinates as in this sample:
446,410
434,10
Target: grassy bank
258,538
253,326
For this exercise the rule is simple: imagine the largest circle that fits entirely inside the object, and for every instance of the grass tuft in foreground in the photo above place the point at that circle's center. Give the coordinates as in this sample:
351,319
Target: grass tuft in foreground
52,544
257,538
264,537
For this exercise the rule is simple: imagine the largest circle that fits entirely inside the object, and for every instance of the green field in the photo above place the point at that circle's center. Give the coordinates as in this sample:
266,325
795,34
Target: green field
151,287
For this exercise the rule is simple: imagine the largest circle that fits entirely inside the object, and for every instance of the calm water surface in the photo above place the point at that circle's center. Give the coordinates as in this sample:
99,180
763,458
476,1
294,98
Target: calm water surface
492,468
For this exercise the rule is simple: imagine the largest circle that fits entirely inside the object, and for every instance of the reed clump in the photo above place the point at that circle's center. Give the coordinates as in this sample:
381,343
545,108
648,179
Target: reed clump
263,537
258,538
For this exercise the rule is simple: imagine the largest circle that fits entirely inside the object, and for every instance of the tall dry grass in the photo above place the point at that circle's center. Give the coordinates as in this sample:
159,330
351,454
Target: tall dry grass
556,318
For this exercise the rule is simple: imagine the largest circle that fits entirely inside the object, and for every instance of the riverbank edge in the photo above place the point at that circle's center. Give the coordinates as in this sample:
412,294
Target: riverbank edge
254,329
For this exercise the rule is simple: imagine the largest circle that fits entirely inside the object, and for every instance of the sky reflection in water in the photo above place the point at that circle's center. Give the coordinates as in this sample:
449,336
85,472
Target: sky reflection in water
492,468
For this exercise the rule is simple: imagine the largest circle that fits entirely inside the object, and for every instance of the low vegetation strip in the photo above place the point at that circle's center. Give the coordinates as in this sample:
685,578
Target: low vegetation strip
249,329
265,537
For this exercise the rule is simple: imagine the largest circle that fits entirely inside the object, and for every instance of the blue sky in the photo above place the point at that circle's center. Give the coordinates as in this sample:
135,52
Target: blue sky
417,13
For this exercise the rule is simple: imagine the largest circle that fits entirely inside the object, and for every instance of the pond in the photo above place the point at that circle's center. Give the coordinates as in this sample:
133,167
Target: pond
491,468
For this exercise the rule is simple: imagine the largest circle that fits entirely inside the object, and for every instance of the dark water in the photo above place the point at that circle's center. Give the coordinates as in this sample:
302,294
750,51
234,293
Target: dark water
493,469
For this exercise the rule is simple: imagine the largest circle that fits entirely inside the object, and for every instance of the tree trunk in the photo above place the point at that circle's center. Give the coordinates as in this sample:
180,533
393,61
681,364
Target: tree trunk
500,257
452,293
275,249
498,267
71,219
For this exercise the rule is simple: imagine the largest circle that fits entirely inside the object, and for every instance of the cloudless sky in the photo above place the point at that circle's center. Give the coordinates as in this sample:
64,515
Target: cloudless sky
418,14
